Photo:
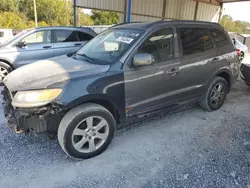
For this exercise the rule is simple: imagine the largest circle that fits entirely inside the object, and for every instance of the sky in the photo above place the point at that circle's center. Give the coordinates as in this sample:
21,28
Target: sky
238,11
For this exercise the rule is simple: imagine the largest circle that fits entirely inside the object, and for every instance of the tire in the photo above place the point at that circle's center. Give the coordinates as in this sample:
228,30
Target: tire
74,129
208,101
5,69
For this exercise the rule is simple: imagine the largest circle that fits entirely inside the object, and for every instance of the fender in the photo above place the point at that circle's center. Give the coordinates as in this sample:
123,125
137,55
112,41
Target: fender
96,97
222,70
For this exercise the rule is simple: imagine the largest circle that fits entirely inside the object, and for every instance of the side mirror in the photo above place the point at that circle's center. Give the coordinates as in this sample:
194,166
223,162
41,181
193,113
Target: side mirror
21,44
143,59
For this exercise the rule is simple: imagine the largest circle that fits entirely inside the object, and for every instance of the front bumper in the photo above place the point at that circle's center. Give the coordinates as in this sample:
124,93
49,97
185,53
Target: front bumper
31,120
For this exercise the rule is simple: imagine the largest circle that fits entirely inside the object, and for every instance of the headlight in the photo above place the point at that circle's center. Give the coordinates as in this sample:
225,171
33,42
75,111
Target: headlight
35,98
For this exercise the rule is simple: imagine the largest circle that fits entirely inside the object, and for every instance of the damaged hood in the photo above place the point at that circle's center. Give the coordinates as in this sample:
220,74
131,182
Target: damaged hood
41,74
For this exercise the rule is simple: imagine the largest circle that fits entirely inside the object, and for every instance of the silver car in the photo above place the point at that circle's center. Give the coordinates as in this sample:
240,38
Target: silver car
41,43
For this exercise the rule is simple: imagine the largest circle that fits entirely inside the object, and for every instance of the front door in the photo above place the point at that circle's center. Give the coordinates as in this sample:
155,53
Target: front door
155,86
38,47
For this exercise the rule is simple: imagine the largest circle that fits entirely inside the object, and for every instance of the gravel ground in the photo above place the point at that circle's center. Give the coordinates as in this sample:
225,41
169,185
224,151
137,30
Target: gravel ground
185,148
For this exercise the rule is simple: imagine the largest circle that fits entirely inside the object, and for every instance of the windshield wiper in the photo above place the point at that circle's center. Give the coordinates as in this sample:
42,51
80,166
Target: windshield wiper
87,57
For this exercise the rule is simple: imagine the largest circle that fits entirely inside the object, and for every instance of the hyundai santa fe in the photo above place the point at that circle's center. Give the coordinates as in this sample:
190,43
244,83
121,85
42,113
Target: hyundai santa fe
130,70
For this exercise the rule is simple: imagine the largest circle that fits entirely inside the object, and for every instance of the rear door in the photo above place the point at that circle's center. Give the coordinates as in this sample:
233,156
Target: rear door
198,53
38,47
68,41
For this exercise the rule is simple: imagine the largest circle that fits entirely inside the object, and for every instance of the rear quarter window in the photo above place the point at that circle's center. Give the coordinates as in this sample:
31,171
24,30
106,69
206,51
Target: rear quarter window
220,38
84,36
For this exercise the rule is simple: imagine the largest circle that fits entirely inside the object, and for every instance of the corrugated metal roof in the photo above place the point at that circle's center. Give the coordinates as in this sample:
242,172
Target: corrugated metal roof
207,10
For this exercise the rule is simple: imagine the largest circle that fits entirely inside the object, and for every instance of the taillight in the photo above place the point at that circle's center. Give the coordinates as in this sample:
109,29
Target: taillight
238,52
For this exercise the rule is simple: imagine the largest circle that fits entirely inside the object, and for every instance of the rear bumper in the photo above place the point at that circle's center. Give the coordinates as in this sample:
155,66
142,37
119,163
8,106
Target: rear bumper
30,120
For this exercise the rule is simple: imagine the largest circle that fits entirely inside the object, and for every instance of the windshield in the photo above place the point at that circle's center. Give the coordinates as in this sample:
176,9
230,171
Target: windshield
110,45
10,40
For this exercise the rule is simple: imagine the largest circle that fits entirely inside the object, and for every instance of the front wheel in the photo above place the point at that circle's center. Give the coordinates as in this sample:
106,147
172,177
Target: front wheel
216,94
86,131
5,69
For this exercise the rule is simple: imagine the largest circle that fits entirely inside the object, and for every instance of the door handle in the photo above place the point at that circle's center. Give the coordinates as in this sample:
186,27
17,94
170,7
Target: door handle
173,71
77,44
47,47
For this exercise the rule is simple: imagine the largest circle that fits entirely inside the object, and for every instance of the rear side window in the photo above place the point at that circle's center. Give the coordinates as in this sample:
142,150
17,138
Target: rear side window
65,36
1,34
219,37
195,40
84,36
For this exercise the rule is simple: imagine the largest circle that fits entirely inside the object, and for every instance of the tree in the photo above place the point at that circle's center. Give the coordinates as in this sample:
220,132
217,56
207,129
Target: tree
8,6
104,17
12,20
235,26
52,12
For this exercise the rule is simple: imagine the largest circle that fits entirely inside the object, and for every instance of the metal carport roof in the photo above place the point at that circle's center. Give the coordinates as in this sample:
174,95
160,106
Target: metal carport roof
166,9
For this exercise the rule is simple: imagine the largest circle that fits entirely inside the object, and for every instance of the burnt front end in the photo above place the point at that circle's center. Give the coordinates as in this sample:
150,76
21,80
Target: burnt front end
30,120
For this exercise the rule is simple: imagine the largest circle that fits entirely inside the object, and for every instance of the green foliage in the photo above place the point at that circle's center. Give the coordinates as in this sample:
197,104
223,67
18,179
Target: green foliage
235,26
12,20
104,17
8,6
19,14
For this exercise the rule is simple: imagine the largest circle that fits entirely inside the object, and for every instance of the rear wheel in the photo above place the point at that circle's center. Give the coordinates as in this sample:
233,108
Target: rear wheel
215,95
5,69
86,131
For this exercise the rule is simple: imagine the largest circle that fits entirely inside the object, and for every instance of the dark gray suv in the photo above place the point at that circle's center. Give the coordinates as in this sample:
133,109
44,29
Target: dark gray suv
130,70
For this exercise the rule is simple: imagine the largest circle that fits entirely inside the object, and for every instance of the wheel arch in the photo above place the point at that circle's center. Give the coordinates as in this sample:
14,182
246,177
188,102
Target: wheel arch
223,73
103,100
7,62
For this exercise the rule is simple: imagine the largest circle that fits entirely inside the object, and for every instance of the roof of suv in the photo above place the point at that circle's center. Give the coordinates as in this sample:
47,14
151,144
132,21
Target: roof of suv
145,25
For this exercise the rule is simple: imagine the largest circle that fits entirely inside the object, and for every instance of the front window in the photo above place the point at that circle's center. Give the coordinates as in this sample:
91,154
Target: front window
40,37
110,45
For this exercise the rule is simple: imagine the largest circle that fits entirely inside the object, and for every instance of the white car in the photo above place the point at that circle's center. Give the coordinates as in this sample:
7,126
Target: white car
5,34
241,48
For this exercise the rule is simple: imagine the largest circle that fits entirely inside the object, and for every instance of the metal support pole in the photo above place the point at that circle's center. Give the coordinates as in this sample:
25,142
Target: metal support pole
128,10
35,12
66,10
164,9
196,10
74,7
220,14
125,11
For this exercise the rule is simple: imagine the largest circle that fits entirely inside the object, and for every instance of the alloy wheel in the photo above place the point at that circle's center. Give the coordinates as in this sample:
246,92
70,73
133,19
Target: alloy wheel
90,134
3,72
217,95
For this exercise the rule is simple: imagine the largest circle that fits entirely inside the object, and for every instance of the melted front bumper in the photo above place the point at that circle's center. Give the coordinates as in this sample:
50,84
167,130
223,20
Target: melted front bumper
30,120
